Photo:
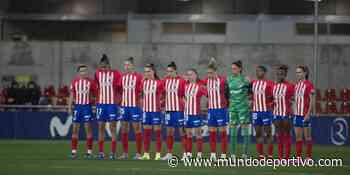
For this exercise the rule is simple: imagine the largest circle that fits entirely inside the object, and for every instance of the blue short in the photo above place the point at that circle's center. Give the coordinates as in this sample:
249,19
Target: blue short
107,112
82,113
262,118
298,121
217,117
193,121
174,119
152,118
130,114
280,118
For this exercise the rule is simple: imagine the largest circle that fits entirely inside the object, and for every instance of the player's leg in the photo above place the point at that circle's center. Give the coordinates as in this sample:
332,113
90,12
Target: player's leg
287,136
112,128
188,129
277,122
169,142
157,128
179,120
147,136
245,120
298,128
169,135
233,132
269,141
89,140
308,139
212,133
74,140
267,121
136,124
189,142
199,141
222,125
101,118
101,139
125,117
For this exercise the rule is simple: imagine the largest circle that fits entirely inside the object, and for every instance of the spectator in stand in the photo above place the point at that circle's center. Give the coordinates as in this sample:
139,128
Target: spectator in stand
12,93
32,94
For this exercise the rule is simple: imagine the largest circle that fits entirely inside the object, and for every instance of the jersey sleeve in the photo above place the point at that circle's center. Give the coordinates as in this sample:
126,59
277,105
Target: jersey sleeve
116,80
204,81
182,87
94,89
310,87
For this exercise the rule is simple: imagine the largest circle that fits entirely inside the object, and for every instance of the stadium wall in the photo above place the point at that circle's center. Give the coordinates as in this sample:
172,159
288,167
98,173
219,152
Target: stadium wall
54,62
56,125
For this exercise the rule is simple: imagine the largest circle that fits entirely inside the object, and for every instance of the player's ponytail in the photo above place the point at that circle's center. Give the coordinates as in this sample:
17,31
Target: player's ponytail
130,60
172,65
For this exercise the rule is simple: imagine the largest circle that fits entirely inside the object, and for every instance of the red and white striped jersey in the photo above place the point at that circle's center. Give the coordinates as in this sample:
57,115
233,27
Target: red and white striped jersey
174,93
193,94
216,92
107,82
131,84
282,97
82,89
303,89
152,91
262,95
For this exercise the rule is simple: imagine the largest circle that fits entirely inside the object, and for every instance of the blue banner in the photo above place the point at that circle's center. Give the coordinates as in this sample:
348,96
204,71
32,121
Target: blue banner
57,125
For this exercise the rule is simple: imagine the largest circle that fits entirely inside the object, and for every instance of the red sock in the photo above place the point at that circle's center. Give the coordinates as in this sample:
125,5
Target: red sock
89,143
309,148
113,146
101,146
288,144
280,140
212,141
74,143
199,144
170,143
299,148
260,149
189,144
223,142
158,141
184,142
125,142
270,149
147,139
138,142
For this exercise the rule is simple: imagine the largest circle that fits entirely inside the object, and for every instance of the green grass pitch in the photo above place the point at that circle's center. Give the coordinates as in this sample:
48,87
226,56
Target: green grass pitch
32,157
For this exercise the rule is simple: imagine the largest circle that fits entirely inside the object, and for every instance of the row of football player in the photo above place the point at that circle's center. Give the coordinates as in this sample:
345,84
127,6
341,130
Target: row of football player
227,95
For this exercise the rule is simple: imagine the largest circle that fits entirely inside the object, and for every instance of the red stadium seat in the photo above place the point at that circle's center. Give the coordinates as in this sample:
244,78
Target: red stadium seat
319,108
347,94
344,108
318,95
330,95
331,108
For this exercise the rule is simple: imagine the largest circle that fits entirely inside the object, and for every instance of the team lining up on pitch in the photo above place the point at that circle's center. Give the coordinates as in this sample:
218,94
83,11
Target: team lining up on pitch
140,101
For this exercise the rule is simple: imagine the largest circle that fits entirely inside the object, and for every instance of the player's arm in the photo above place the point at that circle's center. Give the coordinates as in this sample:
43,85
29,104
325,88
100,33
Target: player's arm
227,92
311,104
